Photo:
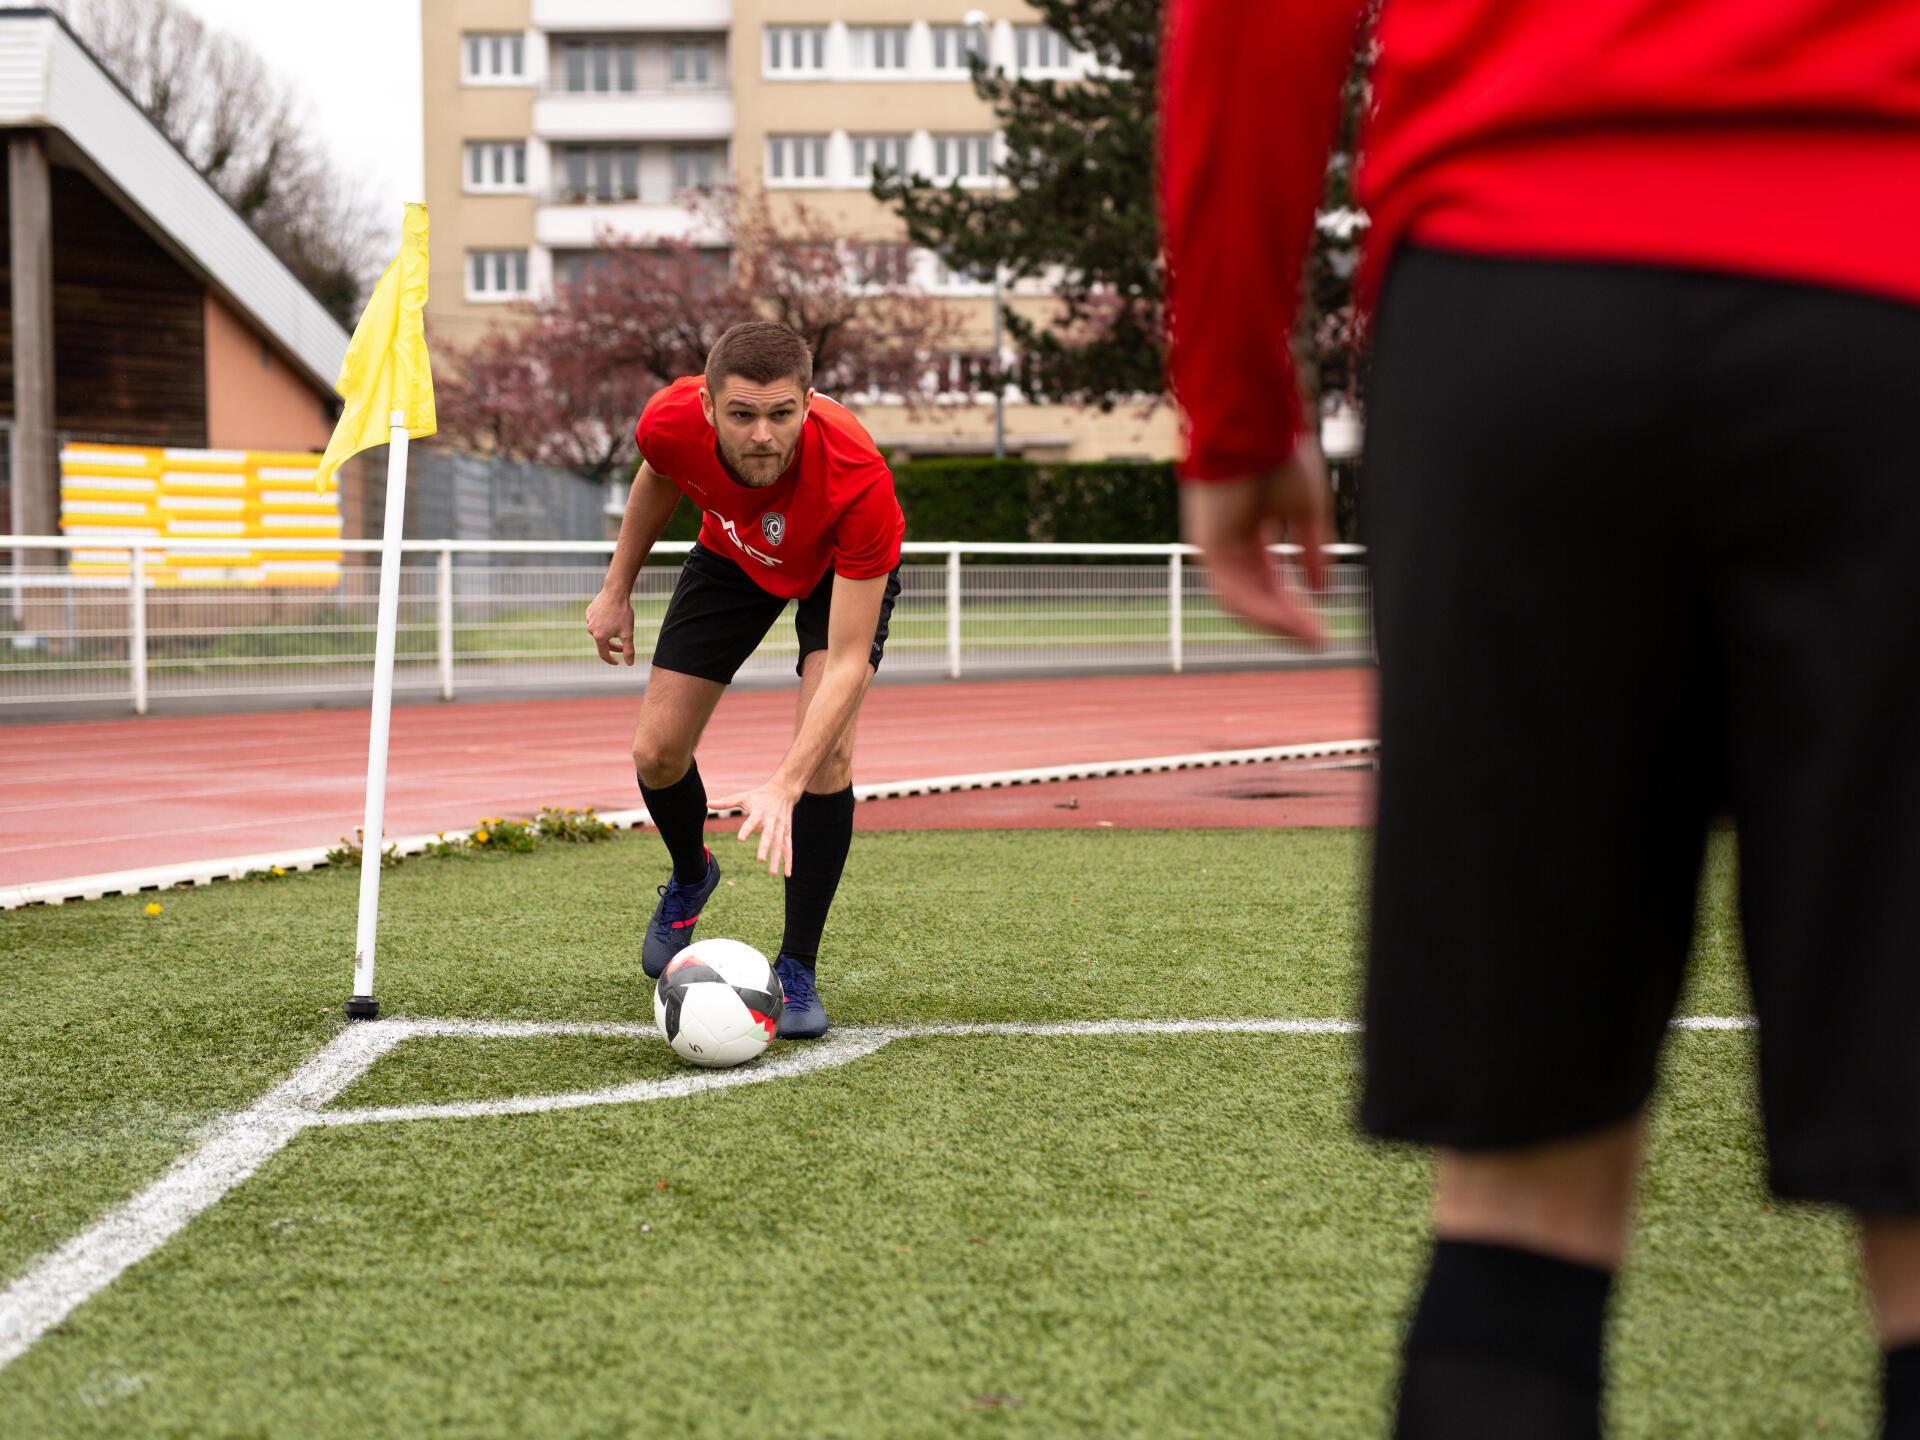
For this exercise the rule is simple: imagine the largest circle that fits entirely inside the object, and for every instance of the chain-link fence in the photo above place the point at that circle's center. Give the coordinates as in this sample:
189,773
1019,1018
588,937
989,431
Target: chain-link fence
479,616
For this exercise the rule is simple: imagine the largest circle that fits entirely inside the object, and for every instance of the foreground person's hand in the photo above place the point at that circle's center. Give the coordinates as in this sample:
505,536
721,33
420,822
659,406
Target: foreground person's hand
1233,521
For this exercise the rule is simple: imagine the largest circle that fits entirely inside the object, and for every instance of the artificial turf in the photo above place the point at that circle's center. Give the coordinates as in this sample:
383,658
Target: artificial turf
1098,1236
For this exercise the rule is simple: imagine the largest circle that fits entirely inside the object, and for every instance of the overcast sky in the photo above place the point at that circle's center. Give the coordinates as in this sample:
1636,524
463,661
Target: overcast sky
355,65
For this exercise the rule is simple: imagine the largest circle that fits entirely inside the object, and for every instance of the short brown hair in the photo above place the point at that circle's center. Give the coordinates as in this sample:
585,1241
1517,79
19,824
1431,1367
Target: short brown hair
760,352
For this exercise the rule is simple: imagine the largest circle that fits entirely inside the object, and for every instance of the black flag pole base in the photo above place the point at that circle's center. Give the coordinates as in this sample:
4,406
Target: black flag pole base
362,1007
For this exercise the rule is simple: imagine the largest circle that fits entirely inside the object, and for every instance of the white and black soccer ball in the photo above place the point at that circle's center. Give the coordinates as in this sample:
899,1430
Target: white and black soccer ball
717,1003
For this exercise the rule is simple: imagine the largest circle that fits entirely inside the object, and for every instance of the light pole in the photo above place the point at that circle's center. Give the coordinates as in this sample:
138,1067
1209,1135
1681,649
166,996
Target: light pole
976,21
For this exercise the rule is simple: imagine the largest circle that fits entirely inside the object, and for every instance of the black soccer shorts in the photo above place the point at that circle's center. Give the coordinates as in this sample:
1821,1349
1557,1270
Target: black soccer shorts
717,617
1646,549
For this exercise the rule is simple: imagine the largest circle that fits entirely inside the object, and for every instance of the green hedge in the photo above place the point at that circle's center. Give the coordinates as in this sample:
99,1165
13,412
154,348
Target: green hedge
1016,500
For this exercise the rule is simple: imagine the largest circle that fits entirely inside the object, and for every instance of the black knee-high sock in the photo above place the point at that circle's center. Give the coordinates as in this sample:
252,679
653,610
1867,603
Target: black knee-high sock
1505,1345
822,835
680,814
1900,1394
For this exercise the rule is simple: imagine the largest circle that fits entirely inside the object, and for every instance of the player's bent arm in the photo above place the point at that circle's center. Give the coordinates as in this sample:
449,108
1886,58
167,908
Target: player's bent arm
852,620
610,613
649,507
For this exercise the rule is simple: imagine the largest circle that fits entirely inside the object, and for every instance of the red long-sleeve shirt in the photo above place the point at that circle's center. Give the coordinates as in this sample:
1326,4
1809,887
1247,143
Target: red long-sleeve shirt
1766,137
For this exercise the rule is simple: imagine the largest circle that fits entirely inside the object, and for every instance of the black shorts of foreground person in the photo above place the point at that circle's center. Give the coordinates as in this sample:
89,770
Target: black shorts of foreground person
1644,545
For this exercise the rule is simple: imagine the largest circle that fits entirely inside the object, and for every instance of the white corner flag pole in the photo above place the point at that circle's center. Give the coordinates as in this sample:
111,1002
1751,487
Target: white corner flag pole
361,1005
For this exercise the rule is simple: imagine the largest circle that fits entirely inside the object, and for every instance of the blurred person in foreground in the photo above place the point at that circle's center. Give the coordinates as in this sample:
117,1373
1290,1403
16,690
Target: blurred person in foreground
1642,498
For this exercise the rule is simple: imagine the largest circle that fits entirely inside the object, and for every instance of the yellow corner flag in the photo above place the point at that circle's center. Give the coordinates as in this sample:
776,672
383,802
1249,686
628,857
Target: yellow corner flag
386,368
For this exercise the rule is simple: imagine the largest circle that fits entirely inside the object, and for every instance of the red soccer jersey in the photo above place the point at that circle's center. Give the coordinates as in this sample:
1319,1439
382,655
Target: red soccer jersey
1764,137
834,506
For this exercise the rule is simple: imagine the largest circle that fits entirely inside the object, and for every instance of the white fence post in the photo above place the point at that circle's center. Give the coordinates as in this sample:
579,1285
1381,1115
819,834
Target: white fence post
1176,614
953,613
445,593
137,628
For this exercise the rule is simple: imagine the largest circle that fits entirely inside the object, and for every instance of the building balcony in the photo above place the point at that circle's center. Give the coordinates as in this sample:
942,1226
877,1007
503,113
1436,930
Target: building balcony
623,15
676,114
561,225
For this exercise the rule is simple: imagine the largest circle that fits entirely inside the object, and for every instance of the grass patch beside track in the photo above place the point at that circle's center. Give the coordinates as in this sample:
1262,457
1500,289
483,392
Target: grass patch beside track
1037,1236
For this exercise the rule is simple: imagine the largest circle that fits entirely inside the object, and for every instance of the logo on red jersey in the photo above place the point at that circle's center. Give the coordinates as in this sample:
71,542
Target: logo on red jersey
773,525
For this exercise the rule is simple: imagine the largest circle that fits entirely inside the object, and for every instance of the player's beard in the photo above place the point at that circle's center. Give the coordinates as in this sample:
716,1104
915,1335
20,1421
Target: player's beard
756,469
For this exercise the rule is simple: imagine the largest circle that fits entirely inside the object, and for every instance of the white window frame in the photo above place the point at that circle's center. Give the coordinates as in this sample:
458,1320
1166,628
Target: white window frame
882,50
588,193
682,55
952,45
960,155
504,158
1030,42
786,43
487,57
613,52
792,167
902,260
498,272
693,155
868,150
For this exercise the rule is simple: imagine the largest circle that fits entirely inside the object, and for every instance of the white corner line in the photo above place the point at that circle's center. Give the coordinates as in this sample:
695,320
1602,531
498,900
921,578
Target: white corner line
235,867
235,1146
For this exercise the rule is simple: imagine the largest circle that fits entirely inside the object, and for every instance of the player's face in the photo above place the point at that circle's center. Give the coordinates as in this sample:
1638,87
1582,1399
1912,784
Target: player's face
758,426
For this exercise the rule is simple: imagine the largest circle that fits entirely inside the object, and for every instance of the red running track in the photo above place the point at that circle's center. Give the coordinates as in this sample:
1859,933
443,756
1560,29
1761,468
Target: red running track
79,799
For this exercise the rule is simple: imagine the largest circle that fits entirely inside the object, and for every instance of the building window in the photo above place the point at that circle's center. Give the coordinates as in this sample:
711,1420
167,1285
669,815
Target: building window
796,49
693,167
963,278
962,371
1037,48
878,154
600,172
878,47
954,47
796,159
493,59
497,165
496,274
882,264
962,157
600,67
690,62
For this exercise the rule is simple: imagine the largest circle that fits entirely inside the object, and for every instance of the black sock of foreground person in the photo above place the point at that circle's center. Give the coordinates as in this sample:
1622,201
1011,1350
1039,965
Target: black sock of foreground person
1900,1394
822,835
679,813
1505,1345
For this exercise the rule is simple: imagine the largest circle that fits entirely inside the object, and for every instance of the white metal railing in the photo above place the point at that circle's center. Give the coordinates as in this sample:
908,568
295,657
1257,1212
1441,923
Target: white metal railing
492,615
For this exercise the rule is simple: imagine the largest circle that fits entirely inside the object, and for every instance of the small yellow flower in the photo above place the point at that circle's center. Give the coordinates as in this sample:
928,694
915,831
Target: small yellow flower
479,837
153,908
278,871
573,812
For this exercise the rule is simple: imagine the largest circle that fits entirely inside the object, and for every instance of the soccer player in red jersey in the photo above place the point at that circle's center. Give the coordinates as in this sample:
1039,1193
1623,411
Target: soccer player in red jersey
1642,512
799,506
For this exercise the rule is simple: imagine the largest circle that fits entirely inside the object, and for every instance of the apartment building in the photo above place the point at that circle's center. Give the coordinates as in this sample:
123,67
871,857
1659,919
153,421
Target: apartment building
551,122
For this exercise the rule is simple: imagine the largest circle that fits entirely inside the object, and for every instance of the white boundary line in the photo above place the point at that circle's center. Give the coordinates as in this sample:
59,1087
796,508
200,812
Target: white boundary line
237,1145
234,867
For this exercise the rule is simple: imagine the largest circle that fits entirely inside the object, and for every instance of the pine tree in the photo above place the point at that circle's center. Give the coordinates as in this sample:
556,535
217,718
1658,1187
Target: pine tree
1075,197
1075,201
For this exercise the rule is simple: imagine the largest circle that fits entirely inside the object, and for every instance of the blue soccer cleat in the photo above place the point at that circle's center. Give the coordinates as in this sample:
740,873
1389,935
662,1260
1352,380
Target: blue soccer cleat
804,1017
671,929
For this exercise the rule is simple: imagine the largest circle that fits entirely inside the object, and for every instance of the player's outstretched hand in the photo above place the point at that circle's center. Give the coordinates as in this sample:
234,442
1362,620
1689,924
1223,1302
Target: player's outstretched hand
1233,521
770,811
610,622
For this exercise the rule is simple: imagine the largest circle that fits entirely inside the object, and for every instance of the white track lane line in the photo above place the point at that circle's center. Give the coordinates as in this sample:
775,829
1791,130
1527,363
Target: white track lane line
237,1145
233,867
